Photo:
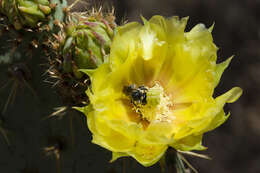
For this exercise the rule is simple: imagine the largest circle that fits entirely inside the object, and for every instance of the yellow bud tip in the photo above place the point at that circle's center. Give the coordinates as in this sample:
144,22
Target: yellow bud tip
45,9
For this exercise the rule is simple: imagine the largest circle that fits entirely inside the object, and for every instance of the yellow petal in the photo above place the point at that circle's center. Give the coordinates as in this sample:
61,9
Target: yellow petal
189,143
230,96
147,154
123,43
116,155
220,69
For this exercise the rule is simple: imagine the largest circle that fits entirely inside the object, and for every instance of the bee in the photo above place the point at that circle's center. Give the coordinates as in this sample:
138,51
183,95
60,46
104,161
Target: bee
137,95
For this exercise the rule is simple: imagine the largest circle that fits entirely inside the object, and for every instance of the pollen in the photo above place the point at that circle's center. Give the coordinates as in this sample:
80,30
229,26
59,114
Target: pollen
159,105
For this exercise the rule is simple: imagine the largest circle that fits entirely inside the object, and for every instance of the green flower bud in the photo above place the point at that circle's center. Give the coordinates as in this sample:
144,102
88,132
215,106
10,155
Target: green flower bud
87,41
25,13
82,43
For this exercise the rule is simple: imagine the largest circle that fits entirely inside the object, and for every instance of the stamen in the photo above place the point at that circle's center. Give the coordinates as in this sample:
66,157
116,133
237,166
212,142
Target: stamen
159,105
151,104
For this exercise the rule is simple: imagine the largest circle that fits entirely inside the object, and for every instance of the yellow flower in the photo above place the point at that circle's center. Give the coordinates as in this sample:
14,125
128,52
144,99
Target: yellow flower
156,90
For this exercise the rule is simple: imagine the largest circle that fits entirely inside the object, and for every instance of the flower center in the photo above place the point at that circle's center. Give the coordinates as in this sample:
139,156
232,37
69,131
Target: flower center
151,104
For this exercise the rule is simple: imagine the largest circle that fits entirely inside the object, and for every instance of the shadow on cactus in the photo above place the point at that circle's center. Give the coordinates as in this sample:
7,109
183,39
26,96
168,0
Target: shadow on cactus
3,130
21,39
57,145
19,77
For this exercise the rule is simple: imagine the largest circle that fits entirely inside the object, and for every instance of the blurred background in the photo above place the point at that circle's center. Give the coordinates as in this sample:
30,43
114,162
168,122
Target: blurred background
234,147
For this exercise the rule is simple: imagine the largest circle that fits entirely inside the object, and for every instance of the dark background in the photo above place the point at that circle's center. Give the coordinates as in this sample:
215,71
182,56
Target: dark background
234,146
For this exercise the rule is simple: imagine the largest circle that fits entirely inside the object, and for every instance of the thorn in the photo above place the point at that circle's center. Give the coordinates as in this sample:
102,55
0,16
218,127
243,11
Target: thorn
73,4
4,134
195,154
52,5
55,84
10,97
57,145
35,44
60,111
187,163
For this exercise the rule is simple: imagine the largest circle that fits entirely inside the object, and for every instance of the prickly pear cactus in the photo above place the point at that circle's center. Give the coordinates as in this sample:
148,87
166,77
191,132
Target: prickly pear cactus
46,31
27,25
24,87
26,12
83,43
58,13
87,41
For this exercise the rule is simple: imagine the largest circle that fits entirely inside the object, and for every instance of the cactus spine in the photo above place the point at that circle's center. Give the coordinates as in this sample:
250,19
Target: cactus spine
83,43
25,13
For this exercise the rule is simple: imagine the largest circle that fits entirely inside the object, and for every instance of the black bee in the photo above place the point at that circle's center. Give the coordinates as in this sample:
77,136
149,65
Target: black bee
138,95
